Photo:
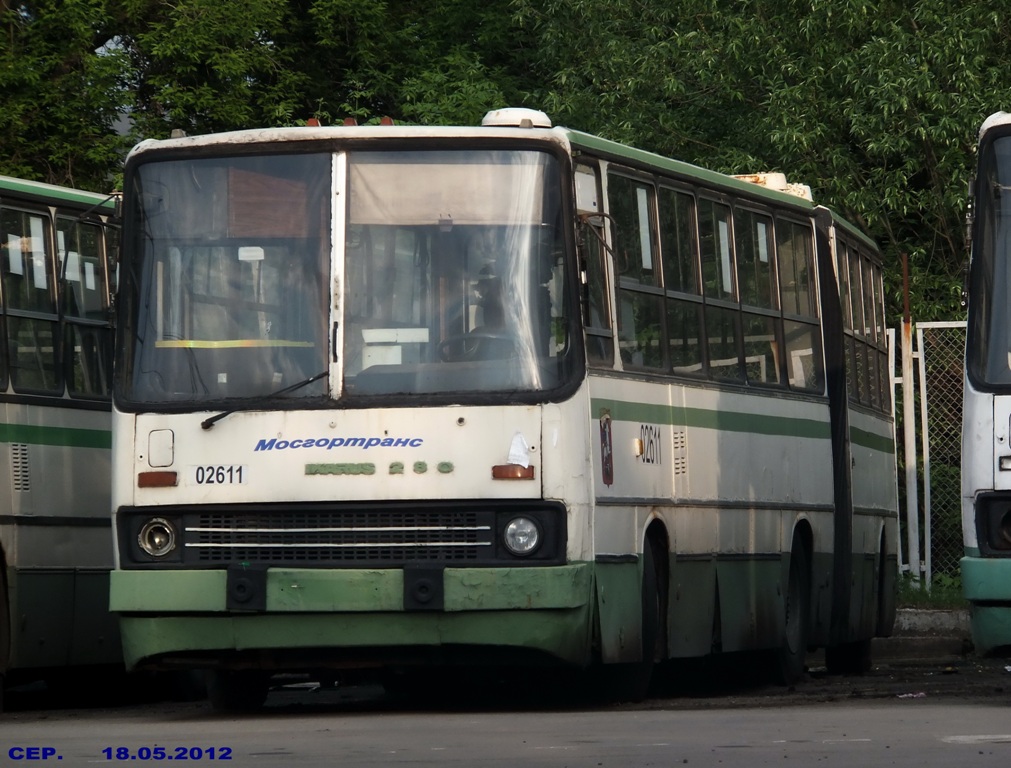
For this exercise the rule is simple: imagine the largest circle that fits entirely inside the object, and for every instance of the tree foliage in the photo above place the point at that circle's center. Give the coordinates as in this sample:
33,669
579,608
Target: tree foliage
61,93
874,103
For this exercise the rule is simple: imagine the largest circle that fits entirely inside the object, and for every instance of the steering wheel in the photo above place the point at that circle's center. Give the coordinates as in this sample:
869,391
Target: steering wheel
466,346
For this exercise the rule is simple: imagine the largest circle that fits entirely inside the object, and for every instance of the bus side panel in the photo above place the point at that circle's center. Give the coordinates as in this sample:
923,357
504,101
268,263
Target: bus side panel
567,465
723,471
821,594
61,616
58,547
41,600
751,603
619,611
875,524
96,630
984,579
691,610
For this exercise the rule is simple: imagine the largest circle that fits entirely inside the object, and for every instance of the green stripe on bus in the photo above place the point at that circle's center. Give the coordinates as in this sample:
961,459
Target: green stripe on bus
870,440
727,421
56,193
75,438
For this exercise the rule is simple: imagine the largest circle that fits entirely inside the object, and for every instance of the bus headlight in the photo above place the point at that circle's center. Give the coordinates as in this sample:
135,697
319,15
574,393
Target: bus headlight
157,537
522,536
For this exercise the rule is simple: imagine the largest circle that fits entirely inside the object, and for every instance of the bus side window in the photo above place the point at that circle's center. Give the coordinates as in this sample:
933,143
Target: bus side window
33,341
596,315
632,206
802,338
679,246
87,333
721,314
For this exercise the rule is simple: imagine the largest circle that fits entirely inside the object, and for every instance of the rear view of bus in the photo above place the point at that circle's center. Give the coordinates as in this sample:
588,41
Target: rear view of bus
986,433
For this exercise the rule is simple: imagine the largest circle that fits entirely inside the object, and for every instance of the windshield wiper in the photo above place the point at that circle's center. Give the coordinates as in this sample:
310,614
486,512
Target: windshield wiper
210,422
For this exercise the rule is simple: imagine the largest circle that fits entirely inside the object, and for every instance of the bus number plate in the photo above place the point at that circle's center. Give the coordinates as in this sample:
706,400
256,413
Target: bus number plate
220,474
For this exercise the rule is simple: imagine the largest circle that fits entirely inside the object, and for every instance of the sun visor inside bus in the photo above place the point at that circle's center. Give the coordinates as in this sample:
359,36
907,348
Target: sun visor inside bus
423,194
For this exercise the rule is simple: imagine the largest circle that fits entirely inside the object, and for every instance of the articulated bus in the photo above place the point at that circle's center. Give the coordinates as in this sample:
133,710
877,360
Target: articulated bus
58,249
986,414
414,398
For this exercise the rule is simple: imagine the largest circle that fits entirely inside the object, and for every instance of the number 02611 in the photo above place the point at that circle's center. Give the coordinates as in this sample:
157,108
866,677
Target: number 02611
219,474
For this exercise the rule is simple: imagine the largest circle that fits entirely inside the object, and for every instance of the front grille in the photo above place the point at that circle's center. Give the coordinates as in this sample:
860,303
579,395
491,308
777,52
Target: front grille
359,537
342,535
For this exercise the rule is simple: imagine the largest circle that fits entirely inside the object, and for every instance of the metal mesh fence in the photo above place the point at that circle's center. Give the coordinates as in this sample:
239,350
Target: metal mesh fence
940,348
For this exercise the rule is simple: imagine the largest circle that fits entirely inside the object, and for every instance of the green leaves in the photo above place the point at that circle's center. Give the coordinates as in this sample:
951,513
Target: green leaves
207,65
61,93
873,103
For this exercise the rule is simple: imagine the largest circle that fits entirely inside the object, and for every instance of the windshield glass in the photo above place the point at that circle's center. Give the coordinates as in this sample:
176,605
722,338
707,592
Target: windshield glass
230,269
454,273
450,267
989,359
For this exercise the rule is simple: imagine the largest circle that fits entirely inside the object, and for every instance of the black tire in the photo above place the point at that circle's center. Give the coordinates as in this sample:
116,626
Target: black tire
183,685
854,658
790,657
849,658
237,690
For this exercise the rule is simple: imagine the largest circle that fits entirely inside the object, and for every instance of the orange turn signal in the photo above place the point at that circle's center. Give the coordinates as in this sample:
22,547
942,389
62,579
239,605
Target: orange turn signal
157,479
512,472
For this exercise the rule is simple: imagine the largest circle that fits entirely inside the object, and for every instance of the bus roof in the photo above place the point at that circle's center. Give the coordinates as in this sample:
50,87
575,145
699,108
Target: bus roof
362,133
997,118
51,192
650,160
565,137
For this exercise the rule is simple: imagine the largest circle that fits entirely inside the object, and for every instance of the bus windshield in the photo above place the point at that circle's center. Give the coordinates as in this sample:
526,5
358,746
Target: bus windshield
399,272
989,359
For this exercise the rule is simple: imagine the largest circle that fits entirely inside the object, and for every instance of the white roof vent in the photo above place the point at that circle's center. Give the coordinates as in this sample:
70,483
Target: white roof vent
778,182
516,117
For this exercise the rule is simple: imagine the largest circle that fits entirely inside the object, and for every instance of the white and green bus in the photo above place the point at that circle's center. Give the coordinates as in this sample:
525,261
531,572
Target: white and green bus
57,254
404,398
986,415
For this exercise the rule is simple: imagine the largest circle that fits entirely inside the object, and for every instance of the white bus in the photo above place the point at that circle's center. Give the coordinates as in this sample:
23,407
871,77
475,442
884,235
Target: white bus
56,267
986,414
403,398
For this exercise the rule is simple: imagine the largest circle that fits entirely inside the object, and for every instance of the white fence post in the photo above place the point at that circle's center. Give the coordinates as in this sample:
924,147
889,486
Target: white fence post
925,446
894,382
909,449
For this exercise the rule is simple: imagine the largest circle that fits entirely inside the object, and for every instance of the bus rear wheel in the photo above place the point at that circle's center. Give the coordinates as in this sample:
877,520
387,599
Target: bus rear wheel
241,690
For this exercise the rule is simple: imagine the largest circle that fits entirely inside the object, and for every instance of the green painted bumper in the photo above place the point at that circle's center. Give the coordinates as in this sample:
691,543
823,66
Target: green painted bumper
986,579
986,583
166,613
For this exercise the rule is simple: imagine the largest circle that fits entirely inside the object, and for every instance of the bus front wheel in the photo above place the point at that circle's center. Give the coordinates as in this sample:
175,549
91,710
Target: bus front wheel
849,658
631,681
241,690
